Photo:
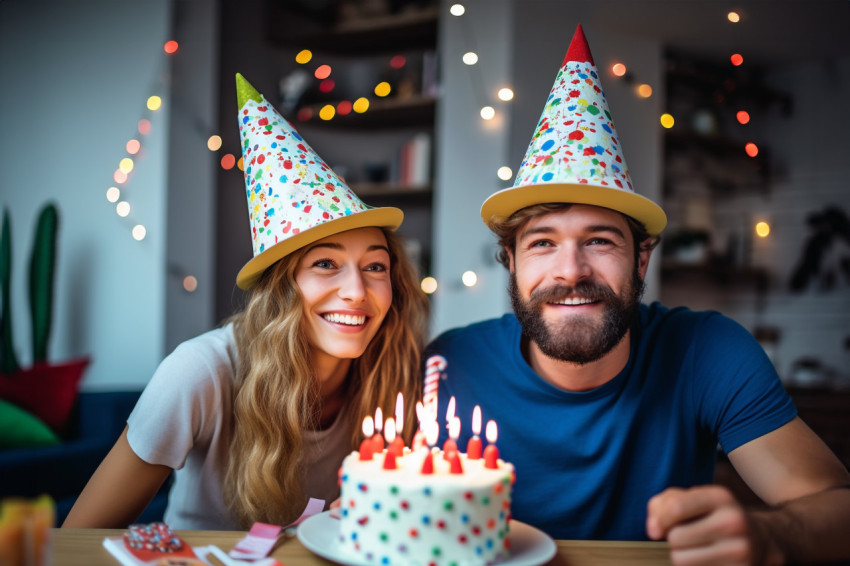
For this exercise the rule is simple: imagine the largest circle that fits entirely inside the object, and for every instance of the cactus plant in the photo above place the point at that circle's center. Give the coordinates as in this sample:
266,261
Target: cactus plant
41,276
8,360
42,265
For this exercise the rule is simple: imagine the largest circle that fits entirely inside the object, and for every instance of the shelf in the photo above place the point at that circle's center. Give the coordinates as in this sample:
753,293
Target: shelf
391,190
382,113
713,272
410,30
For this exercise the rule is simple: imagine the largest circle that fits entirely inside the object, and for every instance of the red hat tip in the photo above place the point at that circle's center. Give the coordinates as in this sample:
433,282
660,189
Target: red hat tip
579,50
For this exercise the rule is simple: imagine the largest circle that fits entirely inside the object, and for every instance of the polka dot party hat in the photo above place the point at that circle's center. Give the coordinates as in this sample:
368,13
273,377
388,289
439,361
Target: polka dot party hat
294,198
575,154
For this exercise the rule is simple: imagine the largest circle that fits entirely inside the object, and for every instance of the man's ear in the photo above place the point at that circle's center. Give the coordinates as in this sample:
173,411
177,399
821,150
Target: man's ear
643,257
511,260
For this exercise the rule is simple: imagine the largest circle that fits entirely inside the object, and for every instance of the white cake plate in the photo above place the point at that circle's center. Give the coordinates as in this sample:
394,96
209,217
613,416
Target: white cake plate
319,533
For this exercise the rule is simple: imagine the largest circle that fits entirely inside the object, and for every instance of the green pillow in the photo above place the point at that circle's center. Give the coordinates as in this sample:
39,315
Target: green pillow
22,429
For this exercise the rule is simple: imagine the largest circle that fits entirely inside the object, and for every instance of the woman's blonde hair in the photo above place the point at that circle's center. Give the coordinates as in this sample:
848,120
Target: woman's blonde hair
275,394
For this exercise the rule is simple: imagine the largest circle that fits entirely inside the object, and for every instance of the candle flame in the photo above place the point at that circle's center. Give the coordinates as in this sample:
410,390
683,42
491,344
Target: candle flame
399,412
368,427
379,419
450,411
492,432
476,420
420,413
389,429
454,428
432,432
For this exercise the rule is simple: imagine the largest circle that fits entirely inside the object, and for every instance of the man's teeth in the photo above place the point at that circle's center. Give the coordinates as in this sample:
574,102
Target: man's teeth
574,301
353,320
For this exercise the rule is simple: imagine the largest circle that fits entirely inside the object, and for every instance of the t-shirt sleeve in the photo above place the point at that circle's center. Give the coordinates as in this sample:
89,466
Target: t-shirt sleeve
177,408
738,394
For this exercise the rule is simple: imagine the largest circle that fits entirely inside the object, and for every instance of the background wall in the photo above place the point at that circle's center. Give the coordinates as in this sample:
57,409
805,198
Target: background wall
76,77
76,80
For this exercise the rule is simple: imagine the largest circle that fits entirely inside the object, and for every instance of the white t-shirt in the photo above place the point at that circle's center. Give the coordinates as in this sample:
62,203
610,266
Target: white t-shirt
184,418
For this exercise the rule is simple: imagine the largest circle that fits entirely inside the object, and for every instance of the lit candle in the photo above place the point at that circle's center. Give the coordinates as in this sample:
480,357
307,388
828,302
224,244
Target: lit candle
455,466
491,453
473,447
367,445
450,412
394,443
450,445
419,437
377,439
432,433
399,413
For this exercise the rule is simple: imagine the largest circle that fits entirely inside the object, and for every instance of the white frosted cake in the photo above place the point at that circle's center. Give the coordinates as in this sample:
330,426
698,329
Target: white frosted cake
404,516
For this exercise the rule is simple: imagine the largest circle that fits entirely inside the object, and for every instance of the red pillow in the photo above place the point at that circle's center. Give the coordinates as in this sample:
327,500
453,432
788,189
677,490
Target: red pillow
46,390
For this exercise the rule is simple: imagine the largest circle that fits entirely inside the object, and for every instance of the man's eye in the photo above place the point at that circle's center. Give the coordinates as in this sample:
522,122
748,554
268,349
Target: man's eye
599,242
540,244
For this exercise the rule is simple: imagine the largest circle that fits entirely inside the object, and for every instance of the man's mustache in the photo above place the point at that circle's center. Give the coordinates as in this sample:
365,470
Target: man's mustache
586,289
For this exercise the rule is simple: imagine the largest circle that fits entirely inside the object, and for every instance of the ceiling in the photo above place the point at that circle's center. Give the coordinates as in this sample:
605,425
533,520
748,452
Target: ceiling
770,31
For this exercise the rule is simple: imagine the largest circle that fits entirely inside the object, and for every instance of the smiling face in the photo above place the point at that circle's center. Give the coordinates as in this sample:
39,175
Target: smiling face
346,291
575,286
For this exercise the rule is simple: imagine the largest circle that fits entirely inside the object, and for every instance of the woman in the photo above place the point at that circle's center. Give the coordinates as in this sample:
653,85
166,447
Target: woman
256,416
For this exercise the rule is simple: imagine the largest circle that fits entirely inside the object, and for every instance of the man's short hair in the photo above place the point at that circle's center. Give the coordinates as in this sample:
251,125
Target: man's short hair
507,230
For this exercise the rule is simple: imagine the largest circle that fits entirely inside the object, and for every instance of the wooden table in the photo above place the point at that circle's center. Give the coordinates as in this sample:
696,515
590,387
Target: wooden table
83,547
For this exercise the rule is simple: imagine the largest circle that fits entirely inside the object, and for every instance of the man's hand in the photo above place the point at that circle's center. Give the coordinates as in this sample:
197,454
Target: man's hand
707,525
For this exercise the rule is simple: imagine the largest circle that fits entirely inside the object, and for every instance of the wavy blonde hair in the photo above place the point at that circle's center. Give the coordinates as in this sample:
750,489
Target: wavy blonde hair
275,394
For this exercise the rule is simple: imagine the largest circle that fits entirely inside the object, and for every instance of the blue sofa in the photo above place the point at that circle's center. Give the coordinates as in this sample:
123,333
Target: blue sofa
62,471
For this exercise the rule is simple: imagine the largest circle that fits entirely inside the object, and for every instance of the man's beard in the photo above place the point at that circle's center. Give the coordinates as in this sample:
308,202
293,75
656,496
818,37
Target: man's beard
578,339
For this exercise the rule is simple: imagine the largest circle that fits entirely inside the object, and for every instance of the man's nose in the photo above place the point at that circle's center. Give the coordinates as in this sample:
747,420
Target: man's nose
571,265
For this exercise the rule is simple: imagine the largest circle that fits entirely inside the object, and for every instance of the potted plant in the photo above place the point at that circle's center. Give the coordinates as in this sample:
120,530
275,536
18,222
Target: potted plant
45,389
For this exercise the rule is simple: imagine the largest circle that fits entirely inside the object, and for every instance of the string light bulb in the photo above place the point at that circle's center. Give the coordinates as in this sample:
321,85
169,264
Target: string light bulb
214,142
488,112
762,229
457,10
505,173
667,120
428,285
470,58
469,278
139,232
618,69
505,94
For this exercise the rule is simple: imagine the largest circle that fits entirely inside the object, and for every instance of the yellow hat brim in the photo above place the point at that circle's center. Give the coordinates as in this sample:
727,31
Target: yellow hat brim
385,217
499,206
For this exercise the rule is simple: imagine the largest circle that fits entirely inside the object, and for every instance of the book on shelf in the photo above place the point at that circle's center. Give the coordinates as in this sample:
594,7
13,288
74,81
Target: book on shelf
414,161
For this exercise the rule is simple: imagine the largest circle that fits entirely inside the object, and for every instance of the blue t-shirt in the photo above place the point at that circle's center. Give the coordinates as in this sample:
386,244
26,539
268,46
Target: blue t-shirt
587,463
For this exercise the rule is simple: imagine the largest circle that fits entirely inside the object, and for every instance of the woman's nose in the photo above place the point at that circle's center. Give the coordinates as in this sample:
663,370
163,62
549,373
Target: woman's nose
352,287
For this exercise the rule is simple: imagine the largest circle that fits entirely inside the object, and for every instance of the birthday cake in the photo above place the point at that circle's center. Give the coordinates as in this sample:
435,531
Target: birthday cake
440,512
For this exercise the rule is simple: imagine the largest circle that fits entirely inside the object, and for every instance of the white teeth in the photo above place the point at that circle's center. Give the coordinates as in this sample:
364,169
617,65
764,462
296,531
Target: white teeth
351,320
575,301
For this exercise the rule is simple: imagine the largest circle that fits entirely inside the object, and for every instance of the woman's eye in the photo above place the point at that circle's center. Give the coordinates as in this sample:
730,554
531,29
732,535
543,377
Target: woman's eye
378,267
324,264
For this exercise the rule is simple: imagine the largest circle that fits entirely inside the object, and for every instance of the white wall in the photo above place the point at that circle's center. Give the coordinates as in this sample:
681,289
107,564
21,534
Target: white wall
76,76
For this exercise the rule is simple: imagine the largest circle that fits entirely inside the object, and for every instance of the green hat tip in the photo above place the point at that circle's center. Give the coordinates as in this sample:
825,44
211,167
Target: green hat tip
245,92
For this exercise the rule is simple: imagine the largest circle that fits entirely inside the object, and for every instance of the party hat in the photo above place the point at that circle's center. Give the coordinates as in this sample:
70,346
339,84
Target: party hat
294,198
575,154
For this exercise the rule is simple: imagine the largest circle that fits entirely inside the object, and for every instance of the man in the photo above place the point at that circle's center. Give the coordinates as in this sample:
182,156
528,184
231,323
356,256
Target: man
612,411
